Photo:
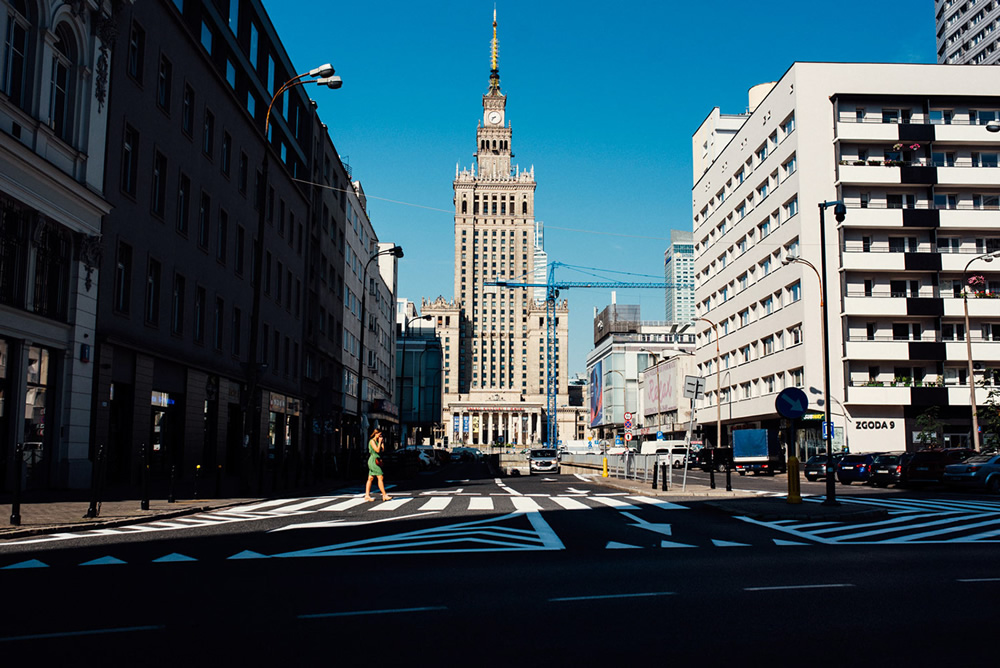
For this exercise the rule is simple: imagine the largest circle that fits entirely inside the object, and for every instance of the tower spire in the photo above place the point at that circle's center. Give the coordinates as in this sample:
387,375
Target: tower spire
494,68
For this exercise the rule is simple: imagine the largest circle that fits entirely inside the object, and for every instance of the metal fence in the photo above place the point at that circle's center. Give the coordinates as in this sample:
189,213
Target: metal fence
631,466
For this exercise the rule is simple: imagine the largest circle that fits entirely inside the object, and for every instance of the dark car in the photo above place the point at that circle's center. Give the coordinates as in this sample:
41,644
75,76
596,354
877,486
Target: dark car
714,457
815,467
887,468
855,468
927,466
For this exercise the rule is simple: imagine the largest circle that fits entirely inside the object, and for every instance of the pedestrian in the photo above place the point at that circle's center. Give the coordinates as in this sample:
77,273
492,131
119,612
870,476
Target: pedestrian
375,446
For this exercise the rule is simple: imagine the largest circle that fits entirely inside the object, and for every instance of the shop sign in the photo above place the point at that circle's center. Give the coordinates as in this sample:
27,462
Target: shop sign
276,403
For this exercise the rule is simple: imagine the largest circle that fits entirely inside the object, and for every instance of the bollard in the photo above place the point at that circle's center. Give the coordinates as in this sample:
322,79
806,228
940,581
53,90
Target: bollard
729,471
197,474
794,484
95,485
604,472
663,477
170,493
144,473
15,503
711,468
655,466
218,481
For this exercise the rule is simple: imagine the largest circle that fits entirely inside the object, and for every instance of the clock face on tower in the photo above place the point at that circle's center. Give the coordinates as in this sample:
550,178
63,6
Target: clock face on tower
494,117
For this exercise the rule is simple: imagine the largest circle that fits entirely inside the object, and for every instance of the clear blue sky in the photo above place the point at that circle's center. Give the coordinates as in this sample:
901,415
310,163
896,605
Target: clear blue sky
603,99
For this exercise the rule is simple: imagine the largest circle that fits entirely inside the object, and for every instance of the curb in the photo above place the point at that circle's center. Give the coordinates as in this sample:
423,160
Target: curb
104,524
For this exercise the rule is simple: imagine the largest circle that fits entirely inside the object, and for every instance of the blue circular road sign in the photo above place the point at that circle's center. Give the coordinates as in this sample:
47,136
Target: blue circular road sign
791,403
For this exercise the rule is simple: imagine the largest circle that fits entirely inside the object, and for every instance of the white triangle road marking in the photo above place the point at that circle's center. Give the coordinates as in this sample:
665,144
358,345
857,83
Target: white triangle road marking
248,554
612,545
778,541
30,563
667,543
727,543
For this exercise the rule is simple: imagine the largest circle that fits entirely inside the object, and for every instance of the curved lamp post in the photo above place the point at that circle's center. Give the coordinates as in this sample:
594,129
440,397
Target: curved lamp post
985,257
324,76
396,251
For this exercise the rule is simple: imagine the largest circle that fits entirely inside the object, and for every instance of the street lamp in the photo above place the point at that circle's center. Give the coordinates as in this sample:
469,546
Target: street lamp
790,259
323,76
985,257
718,412
993,126
839,213
396,251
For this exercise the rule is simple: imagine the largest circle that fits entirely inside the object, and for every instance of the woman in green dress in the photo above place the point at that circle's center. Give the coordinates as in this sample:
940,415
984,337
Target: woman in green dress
375,446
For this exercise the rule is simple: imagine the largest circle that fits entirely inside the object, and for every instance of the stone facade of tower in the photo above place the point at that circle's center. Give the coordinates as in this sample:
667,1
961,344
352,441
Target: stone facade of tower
494,339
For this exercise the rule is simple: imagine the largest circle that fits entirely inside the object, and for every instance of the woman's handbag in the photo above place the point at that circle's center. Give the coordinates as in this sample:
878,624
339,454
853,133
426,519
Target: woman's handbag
378,461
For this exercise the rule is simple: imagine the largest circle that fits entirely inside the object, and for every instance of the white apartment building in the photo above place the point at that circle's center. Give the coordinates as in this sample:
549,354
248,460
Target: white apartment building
968,31
678,274
906,148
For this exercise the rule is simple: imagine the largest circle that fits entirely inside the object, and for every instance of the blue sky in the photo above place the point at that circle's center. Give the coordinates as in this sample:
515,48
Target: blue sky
603,99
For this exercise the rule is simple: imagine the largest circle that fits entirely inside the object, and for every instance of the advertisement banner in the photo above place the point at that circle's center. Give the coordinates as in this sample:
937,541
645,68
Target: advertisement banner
596,395
465,424
455,423
661,390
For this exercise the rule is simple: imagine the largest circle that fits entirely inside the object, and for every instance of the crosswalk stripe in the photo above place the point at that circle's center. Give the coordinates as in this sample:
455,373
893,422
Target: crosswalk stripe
665,505
570,503
391,505
482,503
437,503
344,505
614,503
263,504
301,506
525,505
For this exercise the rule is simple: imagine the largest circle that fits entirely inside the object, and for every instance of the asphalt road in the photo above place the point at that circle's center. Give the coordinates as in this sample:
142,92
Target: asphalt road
546,569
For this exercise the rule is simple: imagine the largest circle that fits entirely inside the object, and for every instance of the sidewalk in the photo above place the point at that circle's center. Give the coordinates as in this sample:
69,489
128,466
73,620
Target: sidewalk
748,504
59,516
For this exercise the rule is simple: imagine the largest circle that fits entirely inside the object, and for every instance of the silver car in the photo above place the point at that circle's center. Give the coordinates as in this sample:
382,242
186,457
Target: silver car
544,460
976,471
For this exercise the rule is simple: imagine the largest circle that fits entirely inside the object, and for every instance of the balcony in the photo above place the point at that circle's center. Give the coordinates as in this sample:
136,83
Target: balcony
979,307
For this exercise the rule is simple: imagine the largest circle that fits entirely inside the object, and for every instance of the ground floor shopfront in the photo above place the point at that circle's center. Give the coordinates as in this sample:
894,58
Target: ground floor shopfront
185,423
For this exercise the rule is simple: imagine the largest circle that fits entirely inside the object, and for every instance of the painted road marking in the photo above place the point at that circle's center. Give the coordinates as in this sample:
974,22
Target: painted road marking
614,503
665,505
357,613
436,503
391,505
599,597
301,506
344,505
70,634
481,503
796,587
569,503
525,505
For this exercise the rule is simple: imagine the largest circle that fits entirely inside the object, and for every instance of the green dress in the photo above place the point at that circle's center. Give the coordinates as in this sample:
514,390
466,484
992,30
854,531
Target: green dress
373,468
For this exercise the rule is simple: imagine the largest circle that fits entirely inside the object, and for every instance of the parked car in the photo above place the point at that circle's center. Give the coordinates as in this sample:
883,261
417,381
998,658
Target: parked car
887,468
927,466
976,471
855,468
815,467
543,460
714,457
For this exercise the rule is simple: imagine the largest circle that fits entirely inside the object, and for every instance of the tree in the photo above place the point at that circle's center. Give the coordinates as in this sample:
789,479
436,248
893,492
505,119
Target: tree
989,412
930,427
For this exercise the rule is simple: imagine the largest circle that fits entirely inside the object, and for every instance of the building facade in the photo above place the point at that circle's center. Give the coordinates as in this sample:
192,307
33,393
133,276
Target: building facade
494,339
53,124
678,274
625,347
905,147
968,32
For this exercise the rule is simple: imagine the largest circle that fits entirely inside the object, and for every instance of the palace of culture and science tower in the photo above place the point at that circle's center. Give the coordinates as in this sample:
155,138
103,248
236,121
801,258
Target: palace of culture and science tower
493,339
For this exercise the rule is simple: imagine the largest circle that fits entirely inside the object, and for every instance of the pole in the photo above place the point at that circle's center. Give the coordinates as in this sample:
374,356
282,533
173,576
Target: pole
968,350
15,503
688,455
144,475
831,486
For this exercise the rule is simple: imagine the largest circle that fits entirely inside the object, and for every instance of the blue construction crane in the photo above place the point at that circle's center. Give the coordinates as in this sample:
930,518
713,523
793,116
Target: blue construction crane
552,288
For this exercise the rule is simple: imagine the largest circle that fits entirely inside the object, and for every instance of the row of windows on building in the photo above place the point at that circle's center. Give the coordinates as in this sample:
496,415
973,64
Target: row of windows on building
958,115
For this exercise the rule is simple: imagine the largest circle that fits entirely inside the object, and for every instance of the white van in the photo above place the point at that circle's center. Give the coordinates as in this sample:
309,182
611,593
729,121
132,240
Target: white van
677,451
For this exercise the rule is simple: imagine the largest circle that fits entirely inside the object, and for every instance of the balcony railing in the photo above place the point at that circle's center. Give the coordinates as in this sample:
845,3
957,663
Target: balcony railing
890,338
893,294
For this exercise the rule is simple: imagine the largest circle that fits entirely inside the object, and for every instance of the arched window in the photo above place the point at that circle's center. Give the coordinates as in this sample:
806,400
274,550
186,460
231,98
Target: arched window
524,207
15,82
465,205
61,95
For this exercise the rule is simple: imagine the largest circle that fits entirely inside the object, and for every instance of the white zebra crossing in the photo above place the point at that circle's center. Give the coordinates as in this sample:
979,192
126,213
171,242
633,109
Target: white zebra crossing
911,521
